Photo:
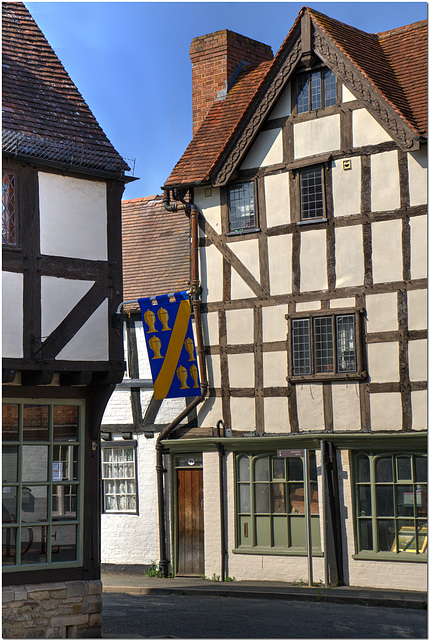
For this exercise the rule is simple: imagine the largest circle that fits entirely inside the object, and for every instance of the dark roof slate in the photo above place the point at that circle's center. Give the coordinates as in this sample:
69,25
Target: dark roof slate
41,104
394,63
155,249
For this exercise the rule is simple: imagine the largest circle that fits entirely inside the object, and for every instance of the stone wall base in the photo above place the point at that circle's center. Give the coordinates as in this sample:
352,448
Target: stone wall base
53,610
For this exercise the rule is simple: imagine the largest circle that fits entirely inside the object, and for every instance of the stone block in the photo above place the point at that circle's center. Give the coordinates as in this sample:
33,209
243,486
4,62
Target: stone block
48,605
95,619
21,594
78,588
8,596
92,604
39,595
55,632
68,621
94,587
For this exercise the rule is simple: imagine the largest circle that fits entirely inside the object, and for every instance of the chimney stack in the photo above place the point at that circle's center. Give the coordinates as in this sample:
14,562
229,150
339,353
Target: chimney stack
217,59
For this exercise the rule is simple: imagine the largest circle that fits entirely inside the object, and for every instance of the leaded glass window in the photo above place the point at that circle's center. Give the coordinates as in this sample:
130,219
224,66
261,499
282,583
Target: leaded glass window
311,190
119,479
242,208
324,345
316,90
9,221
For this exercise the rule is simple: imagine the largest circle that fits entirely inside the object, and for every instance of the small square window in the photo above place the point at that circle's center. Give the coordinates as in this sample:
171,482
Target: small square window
312,193
242,207
9,222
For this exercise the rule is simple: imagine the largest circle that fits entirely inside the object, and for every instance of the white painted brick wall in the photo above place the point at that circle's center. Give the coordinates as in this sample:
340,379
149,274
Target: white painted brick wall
133,539
212,546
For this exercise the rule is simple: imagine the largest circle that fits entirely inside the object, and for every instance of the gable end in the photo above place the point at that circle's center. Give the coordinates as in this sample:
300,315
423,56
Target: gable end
378,107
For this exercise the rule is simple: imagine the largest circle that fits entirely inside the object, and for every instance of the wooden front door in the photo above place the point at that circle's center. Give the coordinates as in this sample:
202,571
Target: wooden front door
190,523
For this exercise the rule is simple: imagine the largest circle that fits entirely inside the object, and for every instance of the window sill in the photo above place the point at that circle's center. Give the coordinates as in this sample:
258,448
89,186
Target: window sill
242,232
323,377
301,223
388,556
270,551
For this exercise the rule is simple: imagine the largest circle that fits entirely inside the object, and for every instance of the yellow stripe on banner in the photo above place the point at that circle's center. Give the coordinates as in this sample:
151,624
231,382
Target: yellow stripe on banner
162,384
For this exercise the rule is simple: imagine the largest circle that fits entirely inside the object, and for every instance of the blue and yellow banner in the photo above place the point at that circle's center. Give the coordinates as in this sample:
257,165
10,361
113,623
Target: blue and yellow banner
170,345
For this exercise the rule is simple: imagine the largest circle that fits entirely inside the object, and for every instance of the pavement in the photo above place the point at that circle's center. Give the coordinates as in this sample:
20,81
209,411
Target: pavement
140,584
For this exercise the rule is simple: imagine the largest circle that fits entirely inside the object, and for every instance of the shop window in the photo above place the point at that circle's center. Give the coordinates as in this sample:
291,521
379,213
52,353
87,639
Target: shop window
325,345
9,209
270,503
242,207
316,90
118,464
42,484
391,504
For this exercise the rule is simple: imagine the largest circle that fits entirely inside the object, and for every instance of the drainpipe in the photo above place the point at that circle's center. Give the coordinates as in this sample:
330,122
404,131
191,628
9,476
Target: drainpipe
221,452
192,212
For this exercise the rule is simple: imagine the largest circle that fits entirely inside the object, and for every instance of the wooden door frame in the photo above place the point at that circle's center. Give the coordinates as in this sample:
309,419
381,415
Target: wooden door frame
174,511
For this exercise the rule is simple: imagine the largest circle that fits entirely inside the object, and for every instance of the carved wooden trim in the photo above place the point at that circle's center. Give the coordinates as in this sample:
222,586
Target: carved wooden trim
271,90
376,104
328,412
133,369
404,371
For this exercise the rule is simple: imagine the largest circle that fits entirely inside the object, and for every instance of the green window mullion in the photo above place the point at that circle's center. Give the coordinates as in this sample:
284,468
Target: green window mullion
374,508
252,502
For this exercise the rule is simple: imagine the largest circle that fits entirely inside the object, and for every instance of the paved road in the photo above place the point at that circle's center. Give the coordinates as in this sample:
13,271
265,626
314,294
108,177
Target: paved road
175,616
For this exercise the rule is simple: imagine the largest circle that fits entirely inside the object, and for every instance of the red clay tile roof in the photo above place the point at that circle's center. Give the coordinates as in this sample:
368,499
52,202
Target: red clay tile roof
221,122
383,60
394,62
155,249
41,105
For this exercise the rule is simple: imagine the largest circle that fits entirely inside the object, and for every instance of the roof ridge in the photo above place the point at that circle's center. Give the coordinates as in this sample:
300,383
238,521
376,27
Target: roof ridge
403,29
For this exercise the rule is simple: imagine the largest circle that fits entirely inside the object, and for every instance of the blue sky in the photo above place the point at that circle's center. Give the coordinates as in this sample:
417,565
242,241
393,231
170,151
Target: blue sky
130,61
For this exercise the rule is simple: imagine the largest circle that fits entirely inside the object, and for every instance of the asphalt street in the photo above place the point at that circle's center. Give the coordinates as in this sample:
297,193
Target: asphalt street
184,616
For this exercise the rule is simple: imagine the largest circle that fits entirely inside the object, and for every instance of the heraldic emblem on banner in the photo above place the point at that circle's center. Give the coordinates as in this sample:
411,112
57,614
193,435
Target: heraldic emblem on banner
170,344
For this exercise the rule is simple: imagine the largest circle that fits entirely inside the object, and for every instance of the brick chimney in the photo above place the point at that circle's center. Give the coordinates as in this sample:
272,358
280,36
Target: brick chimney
217,59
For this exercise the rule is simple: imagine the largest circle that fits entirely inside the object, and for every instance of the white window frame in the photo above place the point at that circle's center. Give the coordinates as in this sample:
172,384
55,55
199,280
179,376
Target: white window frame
114,495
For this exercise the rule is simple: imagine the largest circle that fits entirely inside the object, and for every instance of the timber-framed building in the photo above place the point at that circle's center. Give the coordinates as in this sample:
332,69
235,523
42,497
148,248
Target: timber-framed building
62,356
308,174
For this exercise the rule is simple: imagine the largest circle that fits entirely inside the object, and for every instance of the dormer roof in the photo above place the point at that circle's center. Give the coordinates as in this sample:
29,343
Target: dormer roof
387,72
45,118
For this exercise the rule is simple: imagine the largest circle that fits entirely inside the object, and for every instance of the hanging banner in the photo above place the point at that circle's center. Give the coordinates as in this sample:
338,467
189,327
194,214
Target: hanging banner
170,345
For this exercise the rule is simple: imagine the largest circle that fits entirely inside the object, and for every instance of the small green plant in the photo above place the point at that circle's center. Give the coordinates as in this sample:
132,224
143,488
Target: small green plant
203,577
153,571
230,579
301,582
318,583
215,578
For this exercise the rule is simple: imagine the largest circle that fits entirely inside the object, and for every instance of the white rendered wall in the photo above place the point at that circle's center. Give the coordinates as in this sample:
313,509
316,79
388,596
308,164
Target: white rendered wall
59,296
265,151
346,185
73,217
12,314
418,176
316,136
366,130
91,342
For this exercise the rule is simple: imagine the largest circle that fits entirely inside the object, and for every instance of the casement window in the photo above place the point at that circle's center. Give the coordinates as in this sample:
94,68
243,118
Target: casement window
316,90
325,345
119,477
312,193
391,505
9,209
242,207
42,460
270,504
